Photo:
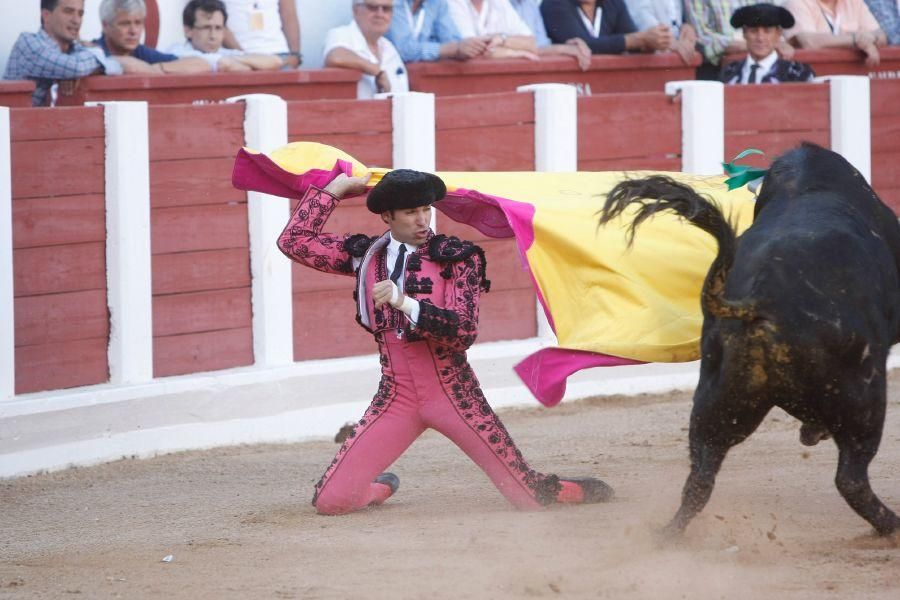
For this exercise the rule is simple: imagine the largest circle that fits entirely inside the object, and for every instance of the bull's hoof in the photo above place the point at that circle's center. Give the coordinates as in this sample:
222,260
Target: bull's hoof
810,435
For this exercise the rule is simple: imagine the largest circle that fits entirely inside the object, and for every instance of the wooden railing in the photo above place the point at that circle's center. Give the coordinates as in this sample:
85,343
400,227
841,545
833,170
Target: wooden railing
629,73
16,94
302,84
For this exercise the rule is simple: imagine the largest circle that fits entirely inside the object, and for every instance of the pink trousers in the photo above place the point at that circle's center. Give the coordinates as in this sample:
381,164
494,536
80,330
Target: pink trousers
424,386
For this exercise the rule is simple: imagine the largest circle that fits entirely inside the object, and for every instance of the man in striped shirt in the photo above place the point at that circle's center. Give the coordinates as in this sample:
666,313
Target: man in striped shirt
53,54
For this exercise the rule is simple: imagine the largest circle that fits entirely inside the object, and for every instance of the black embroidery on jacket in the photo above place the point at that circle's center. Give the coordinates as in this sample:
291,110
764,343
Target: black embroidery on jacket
451,249
357,244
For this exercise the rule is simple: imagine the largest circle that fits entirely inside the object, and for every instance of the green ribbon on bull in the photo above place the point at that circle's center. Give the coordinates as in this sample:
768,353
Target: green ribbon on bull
741,175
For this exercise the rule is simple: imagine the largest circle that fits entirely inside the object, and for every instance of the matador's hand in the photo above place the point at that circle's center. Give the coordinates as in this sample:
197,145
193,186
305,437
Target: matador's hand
383,293
342,185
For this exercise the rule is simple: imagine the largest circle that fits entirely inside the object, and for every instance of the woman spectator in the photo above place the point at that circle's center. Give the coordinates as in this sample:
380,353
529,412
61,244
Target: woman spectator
606,27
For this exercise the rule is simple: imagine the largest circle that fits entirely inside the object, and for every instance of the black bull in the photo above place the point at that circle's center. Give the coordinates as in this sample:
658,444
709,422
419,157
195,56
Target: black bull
799,312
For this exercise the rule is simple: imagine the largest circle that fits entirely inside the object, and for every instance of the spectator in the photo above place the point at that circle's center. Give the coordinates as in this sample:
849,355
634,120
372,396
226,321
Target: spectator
53,54
648,13
509,35
423,30
762,25
204,27
361,45
715,35
576,48
123,27
887,13
605,26
836,24
265,27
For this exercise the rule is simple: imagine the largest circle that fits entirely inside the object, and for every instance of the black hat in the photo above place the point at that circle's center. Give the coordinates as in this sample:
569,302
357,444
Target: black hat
405,188
762,15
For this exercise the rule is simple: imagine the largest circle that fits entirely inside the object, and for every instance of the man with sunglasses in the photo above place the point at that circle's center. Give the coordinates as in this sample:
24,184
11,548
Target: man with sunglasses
204,27
362,45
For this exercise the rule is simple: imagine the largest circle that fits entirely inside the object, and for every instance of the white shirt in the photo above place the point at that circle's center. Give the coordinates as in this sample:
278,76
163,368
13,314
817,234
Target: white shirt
187,49
496,17
257,25
351,38
765,65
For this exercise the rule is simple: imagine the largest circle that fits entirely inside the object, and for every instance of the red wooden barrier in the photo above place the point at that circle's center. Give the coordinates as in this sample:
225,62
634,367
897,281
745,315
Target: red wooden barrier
324,324
629,131
16,94
842,61
775,118
59,261
627,73
491,132
361,128
851,62
201,269
298,84
886,141
487,132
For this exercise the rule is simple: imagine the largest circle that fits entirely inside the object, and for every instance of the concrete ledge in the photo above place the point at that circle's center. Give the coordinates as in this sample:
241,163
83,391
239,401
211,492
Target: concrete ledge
51,431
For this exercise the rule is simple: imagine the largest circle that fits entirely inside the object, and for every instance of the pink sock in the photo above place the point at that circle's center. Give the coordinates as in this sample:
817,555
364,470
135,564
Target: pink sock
571,493
378,493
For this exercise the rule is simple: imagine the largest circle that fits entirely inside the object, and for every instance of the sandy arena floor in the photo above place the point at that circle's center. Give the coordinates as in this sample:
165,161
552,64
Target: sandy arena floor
238,522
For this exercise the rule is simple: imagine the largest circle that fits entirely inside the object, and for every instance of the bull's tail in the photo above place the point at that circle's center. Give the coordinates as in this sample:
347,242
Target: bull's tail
658,193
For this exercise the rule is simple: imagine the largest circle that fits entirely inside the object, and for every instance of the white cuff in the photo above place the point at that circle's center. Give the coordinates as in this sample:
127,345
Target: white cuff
395,295
409,307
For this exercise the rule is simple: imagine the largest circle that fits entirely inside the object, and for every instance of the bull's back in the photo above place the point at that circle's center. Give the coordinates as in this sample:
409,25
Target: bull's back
825,292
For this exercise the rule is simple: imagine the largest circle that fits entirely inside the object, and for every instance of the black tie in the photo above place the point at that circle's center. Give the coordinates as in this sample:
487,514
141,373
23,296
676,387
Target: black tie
753,68
398,265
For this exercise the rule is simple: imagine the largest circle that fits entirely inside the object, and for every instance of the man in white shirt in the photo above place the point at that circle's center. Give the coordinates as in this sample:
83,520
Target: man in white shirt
265,27
361,45
510,35
204,27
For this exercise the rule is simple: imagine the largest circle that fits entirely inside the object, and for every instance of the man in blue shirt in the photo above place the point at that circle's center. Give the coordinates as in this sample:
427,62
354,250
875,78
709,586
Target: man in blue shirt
53,54
123,27
422,30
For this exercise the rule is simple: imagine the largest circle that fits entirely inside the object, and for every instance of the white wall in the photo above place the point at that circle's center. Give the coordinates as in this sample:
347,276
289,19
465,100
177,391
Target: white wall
316,18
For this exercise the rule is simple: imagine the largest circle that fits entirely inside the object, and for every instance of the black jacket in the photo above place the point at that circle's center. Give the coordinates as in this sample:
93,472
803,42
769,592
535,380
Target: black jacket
781,71
563,22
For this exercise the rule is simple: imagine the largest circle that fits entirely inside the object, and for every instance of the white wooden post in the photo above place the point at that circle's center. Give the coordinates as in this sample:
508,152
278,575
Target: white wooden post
7,306
851,124
128,262
555,149
412,115
702,125
555,127
265,129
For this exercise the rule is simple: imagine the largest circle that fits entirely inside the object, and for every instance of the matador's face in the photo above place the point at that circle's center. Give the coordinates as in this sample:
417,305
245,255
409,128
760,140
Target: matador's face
409,225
